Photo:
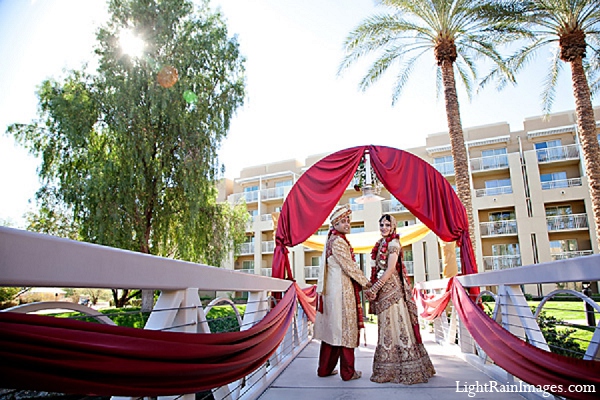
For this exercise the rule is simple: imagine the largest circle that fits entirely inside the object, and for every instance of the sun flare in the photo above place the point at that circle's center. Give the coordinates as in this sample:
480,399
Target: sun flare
131,44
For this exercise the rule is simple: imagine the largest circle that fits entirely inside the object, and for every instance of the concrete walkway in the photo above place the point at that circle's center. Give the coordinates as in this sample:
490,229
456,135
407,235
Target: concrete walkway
299,380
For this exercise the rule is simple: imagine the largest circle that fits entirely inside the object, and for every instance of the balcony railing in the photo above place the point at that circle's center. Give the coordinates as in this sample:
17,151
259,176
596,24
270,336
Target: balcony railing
245,249
497,228
570,254
246,270
266,217
567,222
499,161
274,193
249,197
267,247
493,263
560,153
445,168
392,206
266,272
493,191
561,183
311,272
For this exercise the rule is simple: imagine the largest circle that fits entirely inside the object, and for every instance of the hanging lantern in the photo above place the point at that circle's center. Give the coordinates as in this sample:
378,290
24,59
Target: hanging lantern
167,76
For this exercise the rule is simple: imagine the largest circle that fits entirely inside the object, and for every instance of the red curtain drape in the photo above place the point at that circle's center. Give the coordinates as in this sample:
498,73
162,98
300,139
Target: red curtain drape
68,356
427,195
310,202
529,363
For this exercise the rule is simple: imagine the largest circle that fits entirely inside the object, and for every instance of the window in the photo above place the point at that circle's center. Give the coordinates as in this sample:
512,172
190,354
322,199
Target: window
508,249
284,183
323,231
248,264
554,180
563,246
408,255
315,261
357,229
501,216
249,239
494,158
550,150
498,186
251,188
552,211
445,165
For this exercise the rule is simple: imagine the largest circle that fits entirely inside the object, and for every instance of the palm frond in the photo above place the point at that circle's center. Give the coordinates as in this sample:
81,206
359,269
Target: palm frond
549,85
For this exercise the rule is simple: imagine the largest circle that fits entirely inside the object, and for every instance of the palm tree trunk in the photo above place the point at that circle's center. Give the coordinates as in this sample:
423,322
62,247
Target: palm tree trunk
586,127
457,144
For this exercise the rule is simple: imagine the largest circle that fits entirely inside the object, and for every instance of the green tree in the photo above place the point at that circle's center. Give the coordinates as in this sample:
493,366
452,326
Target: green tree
574,27
457,32
131,150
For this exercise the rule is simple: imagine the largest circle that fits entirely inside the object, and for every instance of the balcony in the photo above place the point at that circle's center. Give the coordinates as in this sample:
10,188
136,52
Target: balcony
445,169
246,249
311,272
499,161
266,272
561,153
567,222
570,254
561,183
495,191
390,206
498,228
248,197
267,247
494,263
276,193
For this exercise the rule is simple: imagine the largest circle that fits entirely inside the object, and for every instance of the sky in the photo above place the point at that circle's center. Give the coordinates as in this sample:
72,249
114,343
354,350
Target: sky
297,104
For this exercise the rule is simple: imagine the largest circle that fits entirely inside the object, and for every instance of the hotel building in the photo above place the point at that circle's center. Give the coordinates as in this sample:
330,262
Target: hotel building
531,202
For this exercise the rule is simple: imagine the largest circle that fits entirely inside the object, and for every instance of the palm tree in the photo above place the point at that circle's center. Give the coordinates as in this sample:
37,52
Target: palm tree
458,32
573,25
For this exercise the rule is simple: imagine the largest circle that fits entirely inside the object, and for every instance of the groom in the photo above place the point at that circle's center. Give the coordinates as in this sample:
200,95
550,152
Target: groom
339,317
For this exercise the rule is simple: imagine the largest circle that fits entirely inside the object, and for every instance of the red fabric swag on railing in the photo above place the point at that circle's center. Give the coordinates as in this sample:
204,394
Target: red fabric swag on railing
531,364
69,356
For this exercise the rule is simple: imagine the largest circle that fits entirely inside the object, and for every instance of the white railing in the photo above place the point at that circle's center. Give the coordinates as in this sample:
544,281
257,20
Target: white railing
492,263
560,153
267,247
499,161
274,193
493,191
311,272
266,271
248,197
246,248
445,169
567,222
266,217
561,183
388,206
512,311
34,260
570,254
497,228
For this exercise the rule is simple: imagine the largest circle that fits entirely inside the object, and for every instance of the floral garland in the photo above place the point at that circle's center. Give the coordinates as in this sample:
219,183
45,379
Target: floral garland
383,243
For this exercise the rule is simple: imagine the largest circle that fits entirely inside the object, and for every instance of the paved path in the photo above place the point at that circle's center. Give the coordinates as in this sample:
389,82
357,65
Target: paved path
300,382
